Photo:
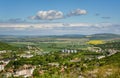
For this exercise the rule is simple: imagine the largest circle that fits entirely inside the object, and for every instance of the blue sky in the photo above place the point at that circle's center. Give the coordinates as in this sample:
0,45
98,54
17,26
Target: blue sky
56,17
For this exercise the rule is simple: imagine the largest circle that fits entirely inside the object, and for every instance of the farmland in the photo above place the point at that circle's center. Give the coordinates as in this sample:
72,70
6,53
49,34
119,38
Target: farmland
56,43
58,57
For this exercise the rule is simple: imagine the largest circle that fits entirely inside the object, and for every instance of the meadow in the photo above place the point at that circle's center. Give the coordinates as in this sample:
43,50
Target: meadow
53,44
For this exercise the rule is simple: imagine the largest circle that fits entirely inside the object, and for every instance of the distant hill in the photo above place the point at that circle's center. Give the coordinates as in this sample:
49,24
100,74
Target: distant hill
69,36
91,37
103,36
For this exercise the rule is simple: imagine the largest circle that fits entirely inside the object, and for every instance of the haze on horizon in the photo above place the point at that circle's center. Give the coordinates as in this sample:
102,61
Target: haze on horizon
57,17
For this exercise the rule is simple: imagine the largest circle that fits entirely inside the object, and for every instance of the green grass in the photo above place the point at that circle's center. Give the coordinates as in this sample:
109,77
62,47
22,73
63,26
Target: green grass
54,44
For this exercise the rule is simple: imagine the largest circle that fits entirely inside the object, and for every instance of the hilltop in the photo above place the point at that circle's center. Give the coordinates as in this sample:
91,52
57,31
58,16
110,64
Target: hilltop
104,36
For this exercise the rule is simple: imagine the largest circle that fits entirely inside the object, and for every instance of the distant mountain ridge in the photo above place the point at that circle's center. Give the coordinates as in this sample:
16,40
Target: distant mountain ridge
93,36
104,36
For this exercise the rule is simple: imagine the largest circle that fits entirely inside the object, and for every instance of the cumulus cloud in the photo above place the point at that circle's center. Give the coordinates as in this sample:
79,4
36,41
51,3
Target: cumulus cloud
53,14
77,12
48,15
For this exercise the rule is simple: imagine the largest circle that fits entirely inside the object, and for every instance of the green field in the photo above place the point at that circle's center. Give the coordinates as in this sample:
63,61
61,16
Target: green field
54,44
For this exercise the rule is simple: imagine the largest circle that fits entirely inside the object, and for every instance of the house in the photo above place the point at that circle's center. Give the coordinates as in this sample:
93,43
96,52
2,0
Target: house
75,51
100,57
3,51
54,64
3,63
112,51
26,71
75,60
7,60
27,56
95,49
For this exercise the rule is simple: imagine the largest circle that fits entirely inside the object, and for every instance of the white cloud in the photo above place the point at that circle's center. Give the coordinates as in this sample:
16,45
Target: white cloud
59,28
42,25
80,24
32,26
48,15
77,12
53,14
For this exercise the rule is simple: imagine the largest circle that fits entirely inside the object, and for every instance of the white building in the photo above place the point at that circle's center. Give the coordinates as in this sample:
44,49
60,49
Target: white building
24,72
4,63
54,64
3,51
69,51
27,56
100,57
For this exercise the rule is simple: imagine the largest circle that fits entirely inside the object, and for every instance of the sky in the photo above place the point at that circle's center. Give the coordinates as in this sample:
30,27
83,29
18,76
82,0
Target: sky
58,17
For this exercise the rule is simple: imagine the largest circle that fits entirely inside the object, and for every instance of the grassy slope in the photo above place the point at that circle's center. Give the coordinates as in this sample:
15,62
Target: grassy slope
5,46
110,68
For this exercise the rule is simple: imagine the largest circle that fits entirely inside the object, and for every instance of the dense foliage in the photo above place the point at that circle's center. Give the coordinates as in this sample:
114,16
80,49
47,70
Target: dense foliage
110,45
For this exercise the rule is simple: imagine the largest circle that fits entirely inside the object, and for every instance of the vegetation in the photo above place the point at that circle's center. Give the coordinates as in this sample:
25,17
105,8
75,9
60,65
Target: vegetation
108,67
5,46
110,45
50,62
